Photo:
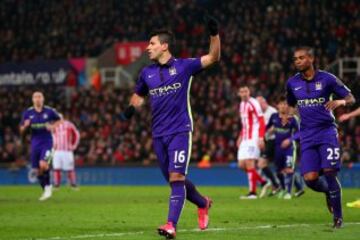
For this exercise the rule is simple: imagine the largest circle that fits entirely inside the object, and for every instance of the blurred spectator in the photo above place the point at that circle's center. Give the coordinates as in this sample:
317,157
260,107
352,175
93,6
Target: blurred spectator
258,39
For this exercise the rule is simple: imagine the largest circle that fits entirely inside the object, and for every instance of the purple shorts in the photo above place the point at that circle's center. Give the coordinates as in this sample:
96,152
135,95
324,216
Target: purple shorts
284,158
173,153
314,158
40,152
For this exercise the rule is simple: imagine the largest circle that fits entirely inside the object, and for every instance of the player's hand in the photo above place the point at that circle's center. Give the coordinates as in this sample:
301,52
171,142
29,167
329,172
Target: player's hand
332,105
127,113
344,117
238,142
27,123
286,143
212,25
50,127
261,144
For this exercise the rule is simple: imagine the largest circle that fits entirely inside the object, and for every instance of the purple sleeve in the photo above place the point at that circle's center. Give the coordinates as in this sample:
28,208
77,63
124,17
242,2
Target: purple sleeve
290,96
54,115
193,65
141,87
270,123
24,117
339,88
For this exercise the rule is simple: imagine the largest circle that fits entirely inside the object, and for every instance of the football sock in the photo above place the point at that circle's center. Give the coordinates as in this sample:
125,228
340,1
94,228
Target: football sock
281,180
299,185
176,201
257,176
252,180
269,174
46,177
72,177
57,177
318,185
288,180
41,181
193,195
334,193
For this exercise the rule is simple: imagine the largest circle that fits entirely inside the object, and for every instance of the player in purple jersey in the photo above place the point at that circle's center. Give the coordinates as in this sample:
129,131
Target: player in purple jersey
167,84
41,120
311,91
285,128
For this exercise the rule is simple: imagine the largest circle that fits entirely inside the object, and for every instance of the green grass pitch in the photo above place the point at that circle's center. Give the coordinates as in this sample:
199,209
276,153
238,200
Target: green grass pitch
132,212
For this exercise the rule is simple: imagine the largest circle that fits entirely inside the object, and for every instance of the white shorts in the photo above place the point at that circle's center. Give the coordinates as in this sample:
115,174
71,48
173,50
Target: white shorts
249,149
63,160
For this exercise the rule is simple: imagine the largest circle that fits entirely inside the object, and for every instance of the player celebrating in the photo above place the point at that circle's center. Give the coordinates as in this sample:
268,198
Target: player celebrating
310,90
268,153
66,139
250,140
42,120
285,128
167,83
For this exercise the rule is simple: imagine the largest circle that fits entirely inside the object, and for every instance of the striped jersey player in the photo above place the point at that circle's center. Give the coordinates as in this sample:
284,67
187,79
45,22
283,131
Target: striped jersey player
66,139
251,139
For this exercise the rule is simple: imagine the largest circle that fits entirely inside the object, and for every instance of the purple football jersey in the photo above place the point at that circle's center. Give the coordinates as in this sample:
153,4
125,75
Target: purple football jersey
281,131
39,134
168,87
317,123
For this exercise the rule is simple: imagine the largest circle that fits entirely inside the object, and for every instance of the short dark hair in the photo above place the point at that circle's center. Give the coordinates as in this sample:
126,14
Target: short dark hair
307,49
244,85
281,98
165,36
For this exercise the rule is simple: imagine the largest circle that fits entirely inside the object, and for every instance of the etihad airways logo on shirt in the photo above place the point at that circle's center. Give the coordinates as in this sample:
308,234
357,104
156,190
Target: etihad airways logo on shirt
311,102
165,90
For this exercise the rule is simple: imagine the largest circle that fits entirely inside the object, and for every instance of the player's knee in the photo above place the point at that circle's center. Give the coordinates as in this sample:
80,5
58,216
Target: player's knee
262,163
44,166
173,177
241,164
312,176
288,170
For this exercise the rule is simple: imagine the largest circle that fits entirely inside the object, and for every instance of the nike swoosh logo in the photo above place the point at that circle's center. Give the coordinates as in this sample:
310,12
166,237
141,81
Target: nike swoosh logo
150,76
297,88
176,166
333,163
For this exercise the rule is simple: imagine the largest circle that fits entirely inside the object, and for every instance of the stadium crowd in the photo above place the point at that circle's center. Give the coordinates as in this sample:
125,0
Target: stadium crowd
257,37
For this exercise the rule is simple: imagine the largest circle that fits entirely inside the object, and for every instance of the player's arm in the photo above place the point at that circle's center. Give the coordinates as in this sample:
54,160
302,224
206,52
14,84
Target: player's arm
25,123
343,92
76,135
333,104
349,115
136,101
214,49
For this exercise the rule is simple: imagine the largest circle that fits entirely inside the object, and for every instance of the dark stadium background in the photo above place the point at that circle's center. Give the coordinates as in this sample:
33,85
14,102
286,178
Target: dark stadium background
76,46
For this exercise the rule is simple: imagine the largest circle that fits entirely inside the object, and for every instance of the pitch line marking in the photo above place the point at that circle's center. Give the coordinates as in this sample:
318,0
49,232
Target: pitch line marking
123,234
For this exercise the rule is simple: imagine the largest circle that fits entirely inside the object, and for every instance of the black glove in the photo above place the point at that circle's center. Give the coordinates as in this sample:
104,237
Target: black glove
212,25
127,113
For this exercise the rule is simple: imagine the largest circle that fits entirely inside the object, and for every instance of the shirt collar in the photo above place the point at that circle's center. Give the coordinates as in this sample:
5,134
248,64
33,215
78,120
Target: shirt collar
168,63
303,78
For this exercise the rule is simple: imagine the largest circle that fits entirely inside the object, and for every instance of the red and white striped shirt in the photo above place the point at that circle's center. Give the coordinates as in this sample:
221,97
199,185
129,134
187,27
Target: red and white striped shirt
66,136
252,120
